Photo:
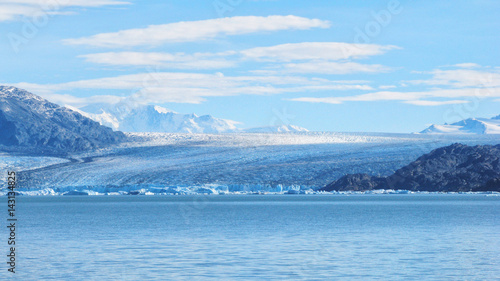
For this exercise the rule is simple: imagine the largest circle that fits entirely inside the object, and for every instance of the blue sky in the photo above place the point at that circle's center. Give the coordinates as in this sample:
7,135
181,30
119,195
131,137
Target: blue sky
374,66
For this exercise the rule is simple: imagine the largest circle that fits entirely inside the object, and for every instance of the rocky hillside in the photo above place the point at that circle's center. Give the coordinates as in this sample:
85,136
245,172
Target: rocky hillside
452,168
30,124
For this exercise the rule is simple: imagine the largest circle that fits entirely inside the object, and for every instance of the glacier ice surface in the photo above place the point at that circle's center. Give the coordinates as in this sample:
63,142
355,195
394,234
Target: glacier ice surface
240,163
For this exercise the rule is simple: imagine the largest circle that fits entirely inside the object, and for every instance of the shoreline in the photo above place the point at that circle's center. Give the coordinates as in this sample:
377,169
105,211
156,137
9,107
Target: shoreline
146,192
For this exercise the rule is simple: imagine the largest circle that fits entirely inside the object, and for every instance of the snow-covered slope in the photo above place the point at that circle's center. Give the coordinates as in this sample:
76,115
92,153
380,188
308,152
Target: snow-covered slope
152,118
479,126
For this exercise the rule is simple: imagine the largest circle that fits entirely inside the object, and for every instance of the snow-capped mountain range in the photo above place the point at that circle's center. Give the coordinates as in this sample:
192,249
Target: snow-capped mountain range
152,118
479,126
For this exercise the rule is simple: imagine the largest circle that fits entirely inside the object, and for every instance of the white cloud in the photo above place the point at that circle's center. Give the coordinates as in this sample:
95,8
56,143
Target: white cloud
339,87
66,3
165,60
385,87
331,100
435,103
16,9
161,87
316,51
327,67
10,12
191,31
319,57
415,98
79,102
460,78
436,93
467,65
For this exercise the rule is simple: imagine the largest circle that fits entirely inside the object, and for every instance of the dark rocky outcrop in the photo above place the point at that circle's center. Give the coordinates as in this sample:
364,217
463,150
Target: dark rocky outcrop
31,124
452,168
355,182
491,185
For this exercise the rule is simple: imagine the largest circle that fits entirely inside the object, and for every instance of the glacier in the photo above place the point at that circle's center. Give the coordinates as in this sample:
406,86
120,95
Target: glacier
247,163
275,129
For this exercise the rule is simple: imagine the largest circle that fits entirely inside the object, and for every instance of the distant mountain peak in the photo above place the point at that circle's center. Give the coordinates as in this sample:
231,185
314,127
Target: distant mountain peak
479,126
154,118
160,109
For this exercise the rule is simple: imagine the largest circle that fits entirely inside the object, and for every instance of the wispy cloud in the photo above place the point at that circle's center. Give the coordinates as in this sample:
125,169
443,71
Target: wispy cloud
435,103
317,51
329,67
16,9
64,99
459,78
191,31
331,100
467,65
164,60
415,98
307,57
385,87
457,86
162,87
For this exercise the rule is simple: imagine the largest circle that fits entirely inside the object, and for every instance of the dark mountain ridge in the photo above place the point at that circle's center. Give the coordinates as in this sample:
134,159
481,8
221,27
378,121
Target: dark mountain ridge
452,168
31,124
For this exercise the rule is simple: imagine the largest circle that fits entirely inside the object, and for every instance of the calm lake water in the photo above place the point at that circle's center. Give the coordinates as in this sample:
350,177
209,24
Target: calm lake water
257,237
